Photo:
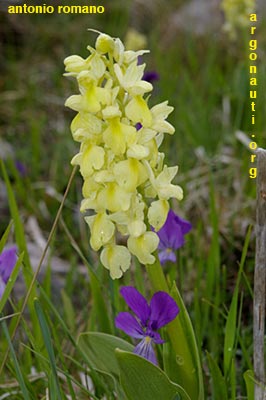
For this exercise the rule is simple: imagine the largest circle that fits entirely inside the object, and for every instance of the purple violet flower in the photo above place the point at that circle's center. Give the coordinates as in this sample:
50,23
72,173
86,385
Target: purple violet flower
151,76
147,320
21,168
171,236
8,259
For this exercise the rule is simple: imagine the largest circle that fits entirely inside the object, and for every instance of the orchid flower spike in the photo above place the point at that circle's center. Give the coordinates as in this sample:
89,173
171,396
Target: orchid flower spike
126,184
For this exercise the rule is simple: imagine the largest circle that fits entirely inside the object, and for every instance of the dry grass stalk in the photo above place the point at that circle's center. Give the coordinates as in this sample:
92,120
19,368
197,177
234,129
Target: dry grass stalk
260,279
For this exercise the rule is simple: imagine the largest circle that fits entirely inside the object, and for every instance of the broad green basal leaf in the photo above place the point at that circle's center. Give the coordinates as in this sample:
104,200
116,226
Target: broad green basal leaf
99,348
187,371
142,380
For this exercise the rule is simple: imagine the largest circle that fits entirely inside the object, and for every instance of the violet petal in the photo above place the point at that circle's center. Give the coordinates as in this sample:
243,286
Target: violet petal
166,255
151,76
8,259
129,325
163,310
185,225
156,337
137,303
145,349
2,287
172,233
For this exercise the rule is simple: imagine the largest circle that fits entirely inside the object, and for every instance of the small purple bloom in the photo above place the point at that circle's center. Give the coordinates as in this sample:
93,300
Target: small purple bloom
151,76
171,236
147,320
8,259
21,168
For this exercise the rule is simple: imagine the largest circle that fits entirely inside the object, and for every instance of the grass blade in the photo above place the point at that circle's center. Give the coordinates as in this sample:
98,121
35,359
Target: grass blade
11,282
19,375
49,347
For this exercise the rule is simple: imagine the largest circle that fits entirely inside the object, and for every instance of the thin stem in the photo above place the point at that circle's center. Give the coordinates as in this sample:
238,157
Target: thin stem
157,277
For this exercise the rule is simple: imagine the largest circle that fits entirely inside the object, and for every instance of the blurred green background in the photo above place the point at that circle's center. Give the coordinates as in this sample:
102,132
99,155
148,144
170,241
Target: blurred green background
204,74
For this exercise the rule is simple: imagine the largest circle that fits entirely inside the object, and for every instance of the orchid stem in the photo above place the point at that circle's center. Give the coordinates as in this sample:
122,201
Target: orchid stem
157,277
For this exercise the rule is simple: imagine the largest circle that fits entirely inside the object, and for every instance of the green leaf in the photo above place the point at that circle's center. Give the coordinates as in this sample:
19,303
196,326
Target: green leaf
19,375
5,236
22,245
99,348
69,310
142,380
230,333
19,229
99,304
11,282
187,370
231,322
250,383
219,388
49,347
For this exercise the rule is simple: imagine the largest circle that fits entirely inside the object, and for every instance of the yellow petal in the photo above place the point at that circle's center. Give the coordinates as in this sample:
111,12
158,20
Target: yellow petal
116,259
104,43
170,191
114,137
138,151
90,188
143,246
164,188
86,126
117,134
89,204
137,110
157,213
97,66
75,64
136,228
75,102
161,111
92,158
103,176
102,230
131,81
111,112
129,174
114,198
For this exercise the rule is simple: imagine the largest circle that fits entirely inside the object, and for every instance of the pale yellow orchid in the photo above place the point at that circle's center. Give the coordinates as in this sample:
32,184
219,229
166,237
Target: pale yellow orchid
143,246
157,213
137,110
90,158
117,259
75,64
131,81
86,126
119,136
114,198
159,114
102,230
129,174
